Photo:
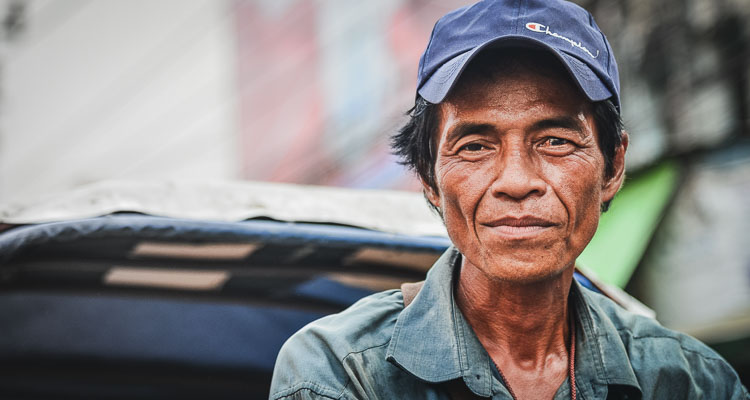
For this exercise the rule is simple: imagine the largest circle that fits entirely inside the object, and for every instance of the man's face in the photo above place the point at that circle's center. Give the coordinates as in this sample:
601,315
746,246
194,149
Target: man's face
519,173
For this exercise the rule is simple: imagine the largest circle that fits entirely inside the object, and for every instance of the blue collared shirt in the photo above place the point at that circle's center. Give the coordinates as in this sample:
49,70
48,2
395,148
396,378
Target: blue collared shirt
377,349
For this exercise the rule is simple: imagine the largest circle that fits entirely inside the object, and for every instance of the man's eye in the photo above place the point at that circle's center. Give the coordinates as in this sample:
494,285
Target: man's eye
472,147
553,141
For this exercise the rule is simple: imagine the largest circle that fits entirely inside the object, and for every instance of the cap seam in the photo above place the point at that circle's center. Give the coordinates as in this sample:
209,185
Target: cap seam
516,17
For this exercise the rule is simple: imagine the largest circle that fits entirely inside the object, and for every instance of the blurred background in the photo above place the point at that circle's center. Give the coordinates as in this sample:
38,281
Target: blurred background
309,91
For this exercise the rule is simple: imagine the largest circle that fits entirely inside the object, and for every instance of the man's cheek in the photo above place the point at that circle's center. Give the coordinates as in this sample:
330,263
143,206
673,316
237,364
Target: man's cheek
586,216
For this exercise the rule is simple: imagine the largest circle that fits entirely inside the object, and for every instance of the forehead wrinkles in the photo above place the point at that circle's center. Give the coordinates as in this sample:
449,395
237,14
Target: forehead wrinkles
511,98
472,90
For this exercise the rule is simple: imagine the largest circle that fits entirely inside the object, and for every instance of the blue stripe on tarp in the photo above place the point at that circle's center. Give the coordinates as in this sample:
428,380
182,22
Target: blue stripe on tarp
325,289
145,329
585,282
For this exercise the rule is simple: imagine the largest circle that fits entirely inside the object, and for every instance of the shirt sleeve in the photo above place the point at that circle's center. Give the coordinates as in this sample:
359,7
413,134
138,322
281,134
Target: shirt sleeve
302,373
308,367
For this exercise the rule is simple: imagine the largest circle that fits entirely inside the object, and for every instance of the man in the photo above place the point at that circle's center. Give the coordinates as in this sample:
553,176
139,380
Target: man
516,136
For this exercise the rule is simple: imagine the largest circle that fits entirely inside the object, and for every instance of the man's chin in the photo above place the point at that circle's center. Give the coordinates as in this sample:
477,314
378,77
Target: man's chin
523,272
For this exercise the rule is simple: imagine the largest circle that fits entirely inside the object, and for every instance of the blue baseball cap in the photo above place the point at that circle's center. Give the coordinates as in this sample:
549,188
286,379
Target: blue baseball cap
561,27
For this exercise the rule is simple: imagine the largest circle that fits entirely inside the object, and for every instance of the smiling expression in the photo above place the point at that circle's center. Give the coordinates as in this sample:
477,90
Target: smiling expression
519,174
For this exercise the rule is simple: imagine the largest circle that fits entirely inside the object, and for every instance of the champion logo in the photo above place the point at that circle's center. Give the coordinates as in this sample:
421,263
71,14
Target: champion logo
541,28
533,26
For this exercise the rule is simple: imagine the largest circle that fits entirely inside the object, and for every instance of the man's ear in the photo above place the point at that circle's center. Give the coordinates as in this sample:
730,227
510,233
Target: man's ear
612,184
430,194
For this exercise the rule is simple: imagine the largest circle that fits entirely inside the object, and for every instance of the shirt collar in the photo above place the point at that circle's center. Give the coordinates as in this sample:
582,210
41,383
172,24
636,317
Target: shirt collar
433,341
601,355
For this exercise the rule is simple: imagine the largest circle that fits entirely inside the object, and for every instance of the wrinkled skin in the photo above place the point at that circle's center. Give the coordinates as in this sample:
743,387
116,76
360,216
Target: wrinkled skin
520,176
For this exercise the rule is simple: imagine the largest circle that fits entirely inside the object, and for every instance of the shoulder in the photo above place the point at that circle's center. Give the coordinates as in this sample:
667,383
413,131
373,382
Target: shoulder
664,359
320,360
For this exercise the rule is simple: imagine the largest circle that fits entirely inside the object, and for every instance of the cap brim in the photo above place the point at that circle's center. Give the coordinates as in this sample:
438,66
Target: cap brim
439,84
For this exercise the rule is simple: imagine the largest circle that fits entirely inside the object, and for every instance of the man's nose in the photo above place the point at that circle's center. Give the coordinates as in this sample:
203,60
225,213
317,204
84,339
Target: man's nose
517,175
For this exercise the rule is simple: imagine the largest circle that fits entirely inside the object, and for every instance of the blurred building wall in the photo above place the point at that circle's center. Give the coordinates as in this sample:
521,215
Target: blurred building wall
323,84
684,68
307,91
302,91
133,89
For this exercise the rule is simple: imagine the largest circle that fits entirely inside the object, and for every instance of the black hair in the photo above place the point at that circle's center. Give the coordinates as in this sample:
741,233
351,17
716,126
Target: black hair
415,141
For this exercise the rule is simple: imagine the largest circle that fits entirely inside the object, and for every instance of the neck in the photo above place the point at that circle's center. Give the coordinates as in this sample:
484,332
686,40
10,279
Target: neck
522,325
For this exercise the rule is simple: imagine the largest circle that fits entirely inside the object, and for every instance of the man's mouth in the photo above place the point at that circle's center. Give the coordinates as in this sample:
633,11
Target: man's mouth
519,226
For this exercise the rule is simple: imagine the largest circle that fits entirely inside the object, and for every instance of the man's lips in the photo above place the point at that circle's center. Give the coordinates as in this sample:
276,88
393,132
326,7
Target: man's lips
519,226
525,221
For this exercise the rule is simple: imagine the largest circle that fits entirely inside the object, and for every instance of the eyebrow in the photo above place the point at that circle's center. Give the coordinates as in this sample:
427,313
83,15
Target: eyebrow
565,122
465,129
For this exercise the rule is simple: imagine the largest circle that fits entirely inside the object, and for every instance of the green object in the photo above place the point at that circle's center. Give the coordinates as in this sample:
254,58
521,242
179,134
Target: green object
626,229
